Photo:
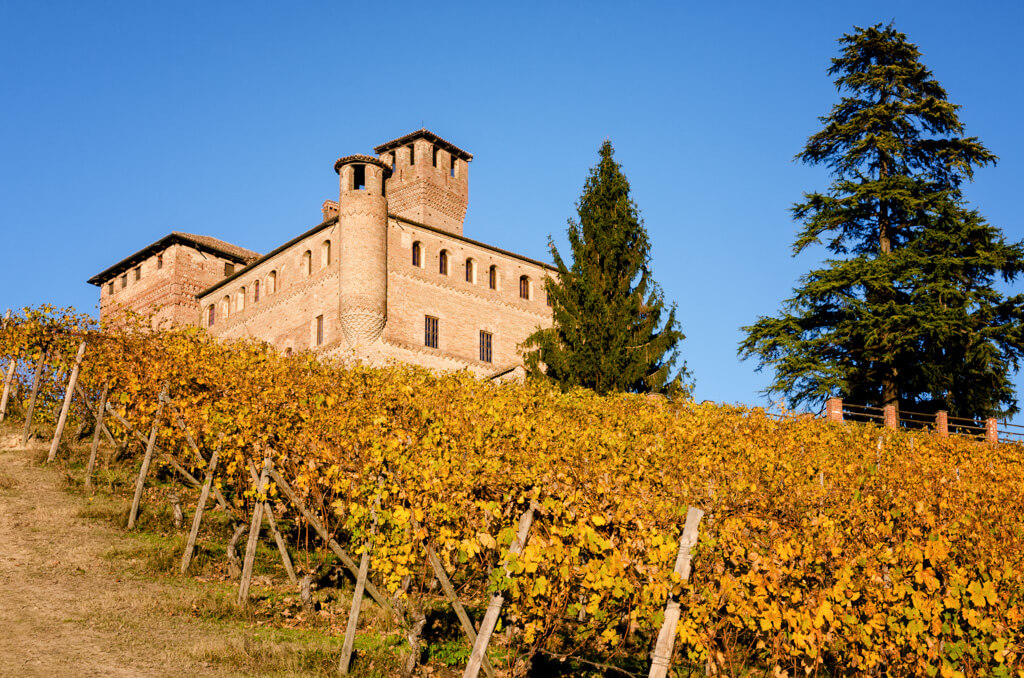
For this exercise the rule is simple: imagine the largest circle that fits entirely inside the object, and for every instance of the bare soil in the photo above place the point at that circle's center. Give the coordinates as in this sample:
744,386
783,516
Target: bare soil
68,608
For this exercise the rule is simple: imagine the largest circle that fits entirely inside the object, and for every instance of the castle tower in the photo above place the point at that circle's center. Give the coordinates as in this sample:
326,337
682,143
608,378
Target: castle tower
363,222
429,181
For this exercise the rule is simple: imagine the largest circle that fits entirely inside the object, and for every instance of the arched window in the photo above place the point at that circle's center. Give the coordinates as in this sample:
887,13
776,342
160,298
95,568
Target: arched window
442,262
211,315
225,306
256,292
325,254
307,262
524,287
492,277
470,271
240,300
272,282
417,254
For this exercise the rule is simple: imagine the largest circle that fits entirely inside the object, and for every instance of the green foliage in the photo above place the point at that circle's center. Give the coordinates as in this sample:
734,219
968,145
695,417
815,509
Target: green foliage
608,333
906,310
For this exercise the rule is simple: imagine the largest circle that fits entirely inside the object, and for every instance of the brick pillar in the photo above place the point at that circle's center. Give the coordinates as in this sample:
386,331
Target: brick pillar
834,410
889,416
991,430
942,423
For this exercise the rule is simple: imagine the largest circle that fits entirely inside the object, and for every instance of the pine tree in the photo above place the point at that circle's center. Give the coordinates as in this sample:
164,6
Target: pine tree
906,313
607,333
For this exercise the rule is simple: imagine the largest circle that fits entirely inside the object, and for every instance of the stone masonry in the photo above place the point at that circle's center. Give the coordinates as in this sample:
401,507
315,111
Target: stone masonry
386,276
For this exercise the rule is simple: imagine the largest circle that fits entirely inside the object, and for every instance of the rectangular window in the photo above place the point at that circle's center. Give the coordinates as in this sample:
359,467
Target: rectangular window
124,281
319,330
434,159
229,269
485,346
452,170
159,261
412,154
138,272
256,291
430,332
110,287
358,177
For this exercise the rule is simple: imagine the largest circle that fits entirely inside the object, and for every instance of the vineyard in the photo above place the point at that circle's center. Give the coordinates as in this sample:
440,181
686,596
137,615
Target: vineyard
554,520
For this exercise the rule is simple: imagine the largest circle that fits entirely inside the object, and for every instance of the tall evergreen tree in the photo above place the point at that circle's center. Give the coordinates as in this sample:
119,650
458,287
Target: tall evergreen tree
907,312
608,333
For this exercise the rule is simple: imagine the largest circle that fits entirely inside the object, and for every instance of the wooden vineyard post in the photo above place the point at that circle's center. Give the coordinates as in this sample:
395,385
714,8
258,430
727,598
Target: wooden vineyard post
344,557
68,395
662,659
96,436
490,619
11,368
32,399
453,598
146,460
282,547
357,603
254,536
99,422
204,496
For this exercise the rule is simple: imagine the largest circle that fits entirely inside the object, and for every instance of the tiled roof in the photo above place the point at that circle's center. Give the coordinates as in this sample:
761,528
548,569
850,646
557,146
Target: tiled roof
429,136
241,255
360,158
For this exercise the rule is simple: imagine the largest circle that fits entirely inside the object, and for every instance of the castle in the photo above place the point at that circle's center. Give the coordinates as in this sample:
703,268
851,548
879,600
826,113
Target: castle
387,275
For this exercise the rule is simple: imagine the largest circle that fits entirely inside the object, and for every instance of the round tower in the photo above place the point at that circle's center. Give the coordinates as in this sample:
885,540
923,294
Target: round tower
363,224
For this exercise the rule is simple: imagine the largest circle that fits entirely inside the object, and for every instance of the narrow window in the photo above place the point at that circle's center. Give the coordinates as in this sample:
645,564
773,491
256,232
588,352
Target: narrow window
359,177
412,154
226,306
229,269
470,271
319,330
430,332
256,291
443,262
110,287
307,262
325,253
392,161
211,315
492,278
124,281
485,346
524,287
240,300
138,272
272,282
434,158
159,261
288,351
451,171
416,254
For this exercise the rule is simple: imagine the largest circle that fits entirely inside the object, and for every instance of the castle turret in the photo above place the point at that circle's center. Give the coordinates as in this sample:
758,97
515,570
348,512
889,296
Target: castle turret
363,222
429,182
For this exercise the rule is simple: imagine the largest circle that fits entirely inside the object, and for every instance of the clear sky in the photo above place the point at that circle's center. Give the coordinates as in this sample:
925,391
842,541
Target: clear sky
123,121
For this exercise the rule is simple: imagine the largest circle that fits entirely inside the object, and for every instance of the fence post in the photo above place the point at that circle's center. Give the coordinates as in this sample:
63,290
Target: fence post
69,393
889,417
32,399
834,410
662,656
991,430
942,424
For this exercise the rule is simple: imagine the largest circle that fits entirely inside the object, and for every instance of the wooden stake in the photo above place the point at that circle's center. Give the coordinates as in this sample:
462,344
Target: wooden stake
490,619
357,603
453,598
32,399
344,557
96,436
95,415
662,659
254,537
146,460
204,496
69,393
11,368
282,546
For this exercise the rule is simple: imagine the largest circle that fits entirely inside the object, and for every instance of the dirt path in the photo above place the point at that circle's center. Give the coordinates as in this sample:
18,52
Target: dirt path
65,610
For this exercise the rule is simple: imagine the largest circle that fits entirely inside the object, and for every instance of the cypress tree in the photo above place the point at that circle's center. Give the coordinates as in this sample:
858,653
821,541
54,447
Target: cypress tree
907,312
608,333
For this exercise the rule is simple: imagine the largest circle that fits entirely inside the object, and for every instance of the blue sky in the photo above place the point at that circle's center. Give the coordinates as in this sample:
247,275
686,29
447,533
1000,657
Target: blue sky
120,122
